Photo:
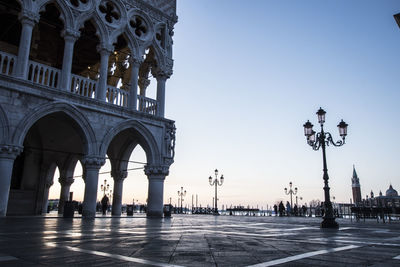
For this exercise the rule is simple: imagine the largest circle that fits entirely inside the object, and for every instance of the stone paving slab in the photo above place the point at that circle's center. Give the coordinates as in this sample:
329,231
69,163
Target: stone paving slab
196,240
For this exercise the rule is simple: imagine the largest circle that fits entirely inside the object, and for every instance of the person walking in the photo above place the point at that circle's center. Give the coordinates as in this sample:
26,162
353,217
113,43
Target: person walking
104,204
281,209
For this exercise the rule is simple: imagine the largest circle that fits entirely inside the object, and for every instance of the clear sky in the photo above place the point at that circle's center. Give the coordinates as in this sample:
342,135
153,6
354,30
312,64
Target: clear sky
248,74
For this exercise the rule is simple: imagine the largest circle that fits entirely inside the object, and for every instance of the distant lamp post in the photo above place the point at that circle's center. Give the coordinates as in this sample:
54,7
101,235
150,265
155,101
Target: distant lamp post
181,194
323,139
105,187
216,183
291,192
297,202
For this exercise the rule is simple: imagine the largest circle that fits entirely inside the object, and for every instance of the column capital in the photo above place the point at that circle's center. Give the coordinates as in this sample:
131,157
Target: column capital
69,34
65,181
135,62
49,183
10,151
156,170
119,175
161,74
28,17
105,49
143,83
93,162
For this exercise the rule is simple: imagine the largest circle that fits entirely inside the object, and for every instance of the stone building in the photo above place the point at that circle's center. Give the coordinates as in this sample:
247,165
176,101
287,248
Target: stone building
73,80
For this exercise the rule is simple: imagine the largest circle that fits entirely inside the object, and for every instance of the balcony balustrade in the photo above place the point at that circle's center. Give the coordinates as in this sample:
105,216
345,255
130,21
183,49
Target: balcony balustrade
48,76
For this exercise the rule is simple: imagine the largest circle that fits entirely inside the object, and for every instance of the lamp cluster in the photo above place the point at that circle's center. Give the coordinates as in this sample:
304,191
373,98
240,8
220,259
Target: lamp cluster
313,138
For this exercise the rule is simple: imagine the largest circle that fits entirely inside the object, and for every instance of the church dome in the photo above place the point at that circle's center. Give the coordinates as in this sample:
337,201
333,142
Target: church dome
391,192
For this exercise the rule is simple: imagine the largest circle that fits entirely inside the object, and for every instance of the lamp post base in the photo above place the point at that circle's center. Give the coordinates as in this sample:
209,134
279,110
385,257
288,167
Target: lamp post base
329,223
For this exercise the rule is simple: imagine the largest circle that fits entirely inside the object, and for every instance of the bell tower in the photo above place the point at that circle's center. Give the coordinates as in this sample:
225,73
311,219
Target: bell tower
356,188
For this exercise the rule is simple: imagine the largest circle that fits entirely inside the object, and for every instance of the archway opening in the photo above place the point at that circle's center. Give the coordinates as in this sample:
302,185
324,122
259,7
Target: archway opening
50,140
136,183
47,45
10,33
86,59
147,83
128,153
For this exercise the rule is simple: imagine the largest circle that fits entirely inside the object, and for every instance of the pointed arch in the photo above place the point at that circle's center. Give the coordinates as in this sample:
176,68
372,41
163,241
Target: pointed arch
147,140
89,138
101,29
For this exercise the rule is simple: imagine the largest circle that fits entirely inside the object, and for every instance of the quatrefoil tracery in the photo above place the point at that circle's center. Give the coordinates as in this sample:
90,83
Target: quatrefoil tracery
110,12
139,26
77,3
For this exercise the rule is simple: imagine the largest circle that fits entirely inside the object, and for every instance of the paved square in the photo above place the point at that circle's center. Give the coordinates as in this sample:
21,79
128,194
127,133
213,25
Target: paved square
196,240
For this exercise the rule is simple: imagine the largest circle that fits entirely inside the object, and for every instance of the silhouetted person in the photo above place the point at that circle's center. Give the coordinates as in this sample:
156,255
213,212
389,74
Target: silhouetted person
295,210
304,208
288,208
104,204
276,210
281,208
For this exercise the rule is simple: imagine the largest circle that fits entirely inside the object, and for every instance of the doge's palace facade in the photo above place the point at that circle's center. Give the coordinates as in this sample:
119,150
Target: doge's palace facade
73,80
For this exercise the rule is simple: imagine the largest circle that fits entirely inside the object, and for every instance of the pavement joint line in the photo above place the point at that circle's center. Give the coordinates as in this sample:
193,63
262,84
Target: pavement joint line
8,258
303,256
356,242
397,258
114,256
247,234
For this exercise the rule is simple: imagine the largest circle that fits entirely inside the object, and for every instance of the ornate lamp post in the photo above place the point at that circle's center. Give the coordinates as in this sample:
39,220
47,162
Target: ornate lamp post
291,192
323,139
181,194
105,187
216,182
296,200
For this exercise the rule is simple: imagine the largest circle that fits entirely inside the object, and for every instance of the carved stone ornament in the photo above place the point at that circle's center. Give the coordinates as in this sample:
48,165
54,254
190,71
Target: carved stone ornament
109,12
93,162
156,170
66,181
119,175
170,141
9,151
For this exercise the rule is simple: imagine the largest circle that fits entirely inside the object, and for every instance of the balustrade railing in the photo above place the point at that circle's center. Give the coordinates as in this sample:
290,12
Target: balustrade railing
49,76
7,63
42,74
147,105
83,86
117,96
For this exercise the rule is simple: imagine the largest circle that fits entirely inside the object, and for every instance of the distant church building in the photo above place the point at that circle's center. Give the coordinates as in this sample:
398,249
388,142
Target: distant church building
390,199
356,188
74,76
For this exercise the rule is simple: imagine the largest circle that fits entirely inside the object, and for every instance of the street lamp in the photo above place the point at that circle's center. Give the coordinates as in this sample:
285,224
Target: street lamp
296,200
216,182
181,194
291,192
323,139
105,187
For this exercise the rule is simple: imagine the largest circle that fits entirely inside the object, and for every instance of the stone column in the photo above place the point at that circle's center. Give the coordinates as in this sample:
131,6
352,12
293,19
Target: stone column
155,198
135,63
70,37
102,85
46,196
7,157
64,192
28,20
161,77
119,177
91,166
